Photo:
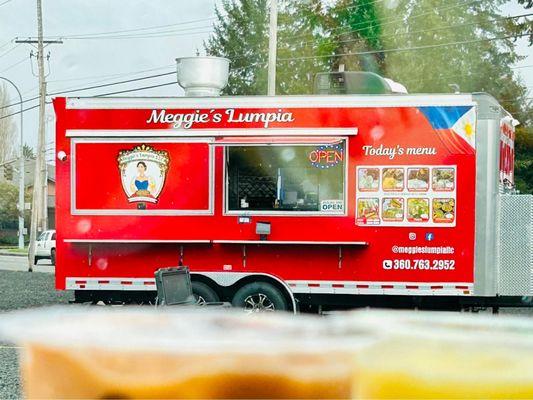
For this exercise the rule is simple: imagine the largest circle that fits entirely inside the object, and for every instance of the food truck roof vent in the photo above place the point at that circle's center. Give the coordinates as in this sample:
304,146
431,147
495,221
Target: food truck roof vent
355,82
202,76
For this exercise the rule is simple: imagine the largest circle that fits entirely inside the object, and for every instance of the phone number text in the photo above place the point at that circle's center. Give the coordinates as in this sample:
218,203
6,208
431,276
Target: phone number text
435,265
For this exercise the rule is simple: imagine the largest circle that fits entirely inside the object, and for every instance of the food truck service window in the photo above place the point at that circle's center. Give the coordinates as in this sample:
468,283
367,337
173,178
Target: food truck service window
266,179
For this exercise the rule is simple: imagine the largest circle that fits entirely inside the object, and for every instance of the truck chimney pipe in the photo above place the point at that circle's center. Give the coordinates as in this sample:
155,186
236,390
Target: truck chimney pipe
202,76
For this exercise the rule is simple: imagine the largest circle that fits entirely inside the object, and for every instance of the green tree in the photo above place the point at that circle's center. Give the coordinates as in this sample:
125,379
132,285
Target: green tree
8,205
241,34
28,152
355,27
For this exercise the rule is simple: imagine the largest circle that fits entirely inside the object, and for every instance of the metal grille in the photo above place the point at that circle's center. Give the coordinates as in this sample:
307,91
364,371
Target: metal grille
516,245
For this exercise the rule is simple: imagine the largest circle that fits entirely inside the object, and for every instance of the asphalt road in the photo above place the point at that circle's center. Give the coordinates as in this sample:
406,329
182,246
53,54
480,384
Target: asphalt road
22,289
20,263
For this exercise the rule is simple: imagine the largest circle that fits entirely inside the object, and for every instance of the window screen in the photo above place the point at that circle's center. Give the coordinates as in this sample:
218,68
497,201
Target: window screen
286,178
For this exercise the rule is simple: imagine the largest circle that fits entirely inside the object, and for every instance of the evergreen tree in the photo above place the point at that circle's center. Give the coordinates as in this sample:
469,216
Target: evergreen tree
241,34
355,27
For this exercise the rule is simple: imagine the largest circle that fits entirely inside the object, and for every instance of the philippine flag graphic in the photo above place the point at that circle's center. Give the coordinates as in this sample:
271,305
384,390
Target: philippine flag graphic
455,126
466,127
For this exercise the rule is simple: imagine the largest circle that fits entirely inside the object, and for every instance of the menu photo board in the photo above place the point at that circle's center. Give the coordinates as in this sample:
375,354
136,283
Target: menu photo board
411,195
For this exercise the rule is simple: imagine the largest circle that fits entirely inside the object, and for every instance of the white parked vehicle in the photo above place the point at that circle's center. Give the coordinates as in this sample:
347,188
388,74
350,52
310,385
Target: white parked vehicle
45,247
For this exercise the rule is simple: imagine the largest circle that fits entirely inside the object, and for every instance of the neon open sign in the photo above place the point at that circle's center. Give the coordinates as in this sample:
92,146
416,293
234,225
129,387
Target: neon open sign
326,156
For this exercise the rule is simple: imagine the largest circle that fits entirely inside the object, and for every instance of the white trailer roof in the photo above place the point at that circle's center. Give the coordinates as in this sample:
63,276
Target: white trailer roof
401,100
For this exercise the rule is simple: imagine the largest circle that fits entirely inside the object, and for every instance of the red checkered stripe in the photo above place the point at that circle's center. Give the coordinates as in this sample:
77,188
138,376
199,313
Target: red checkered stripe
296,286
110,283
360,287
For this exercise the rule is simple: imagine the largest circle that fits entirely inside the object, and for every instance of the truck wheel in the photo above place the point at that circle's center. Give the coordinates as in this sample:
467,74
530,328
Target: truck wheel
53,256
259,297
204,294
36,260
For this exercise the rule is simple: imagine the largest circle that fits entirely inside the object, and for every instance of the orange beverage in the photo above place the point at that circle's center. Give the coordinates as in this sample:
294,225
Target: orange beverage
134,353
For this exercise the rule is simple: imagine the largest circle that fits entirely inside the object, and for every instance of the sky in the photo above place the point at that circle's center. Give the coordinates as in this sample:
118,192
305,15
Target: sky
80,62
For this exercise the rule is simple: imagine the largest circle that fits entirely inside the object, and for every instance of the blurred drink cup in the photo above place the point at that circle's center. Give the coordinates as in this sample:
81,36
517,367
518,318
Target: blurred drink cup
445,356
134,353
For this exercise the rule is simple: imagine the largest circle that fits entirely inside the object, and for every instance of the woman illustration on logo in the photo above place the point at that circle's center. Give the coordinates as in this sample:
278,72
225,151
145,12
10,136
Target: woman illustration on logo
142,185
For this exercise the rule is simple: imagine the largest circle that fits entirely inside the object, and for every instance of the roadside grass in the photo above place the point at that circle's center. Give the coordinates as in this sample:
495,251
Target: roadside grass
14,250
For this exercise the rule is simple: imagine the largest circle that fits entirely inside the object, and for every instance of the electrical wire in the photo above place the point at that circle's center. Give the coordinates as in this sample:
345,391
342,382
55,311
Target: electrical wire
146,36
131,30
388,21
400,49
423,30
137,89
14,65
91,87
98,95
10,50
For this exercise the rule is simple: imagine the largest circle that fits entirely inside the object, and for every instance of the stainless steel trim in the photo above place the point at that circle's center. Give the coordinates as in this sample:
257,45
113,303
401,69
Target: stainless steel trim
208,134
135,241
120,212
304,101
290,242
487,202
272,213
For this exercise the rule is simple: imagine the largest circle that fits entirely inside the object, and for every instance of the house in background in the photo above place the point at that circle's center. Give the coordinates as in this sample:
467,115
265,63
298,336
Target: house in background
9,173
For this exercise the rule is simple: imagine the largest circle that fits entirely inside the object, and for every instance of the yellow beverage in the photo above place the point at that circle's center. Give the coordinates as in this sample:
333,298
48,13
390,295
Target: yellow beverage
444,369
446,356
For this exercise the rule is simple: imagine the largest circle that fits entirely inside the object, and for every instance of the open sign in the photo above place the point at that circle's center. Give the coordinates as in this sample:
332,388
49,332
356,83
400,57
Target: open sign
332,205
326,156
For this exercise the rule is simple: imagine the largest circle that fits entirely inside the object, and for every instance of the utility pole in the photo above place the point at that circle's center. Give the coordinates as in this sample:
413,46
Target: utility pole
40,183
272,47
21,168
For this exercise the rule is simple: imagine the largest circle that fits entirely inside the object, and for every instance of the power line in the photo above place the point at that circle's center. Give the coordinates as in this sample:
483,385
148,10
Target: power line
137,89
133,30
143,36
112,84
423,30
99,95
5,44
5,2
10,50
429,46
110,75
13,66
389,21
92,87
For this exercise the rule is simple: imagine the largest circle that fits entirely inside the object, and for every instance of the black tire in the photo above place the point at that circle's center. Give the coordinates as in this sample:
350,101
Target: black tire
53,256
260,297
204,294
36,260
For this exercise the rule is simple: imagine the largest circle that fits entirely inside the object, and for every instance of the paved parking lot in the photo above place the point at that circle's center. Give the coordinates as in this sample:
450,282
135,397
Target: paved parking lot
22,290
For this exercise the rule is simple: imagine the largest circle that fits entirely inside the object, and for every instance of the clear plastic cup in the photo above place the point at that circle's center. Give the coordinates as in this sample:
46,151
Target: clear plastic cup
81,352
443,356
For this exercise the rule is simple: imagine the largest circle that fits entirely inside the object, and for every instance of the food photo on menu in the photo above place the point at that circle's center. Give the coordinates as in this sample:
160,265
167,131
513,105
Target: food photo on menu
417,179
393,179
443,210
368,179
443,179
368,210
393,209
418,209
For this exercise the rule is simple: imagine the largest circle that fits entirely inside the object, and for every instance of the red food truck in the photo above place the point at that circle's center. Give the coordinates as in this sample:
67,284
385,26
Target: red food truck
288,202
